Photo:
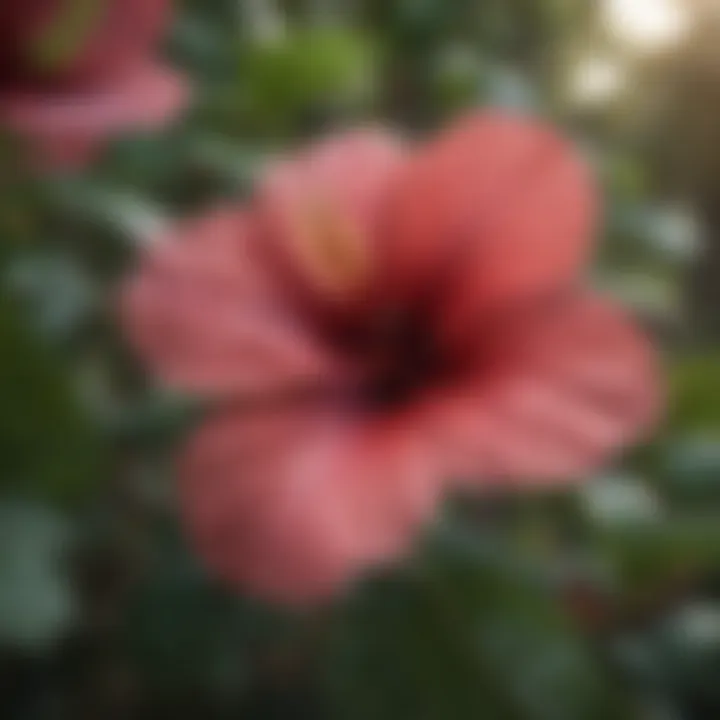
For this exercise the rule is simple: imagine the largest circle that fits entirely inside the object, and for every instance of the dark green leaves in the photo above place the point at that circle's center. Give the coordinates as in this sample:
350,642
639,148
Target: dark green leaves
46,442
469,634
37,602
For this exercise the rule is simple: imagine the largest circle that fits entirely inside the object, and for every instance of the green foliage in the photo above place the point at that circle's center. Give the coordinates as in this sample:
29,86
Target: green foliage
46,443
311,72
695,393
469,634
577,605
37,602
186,636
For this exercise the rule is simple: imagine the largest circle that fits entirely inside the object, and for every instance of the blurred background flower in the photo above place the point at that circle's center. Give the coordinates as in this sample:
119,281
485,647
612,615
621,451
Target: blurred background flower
73,72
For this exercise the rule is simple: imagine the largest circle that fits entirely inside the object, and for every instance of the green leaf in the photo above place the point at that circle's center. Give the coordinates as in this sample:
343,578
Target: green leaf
36,602
185,635
505,87
648,553
691,469
61,297
46,442
680,655
309,70
620,500
695,393
467,636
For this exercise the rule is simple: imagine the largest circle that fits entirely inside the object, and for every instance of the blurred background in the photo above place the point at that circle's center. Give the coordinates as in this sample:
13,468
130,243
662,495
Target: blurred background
596,603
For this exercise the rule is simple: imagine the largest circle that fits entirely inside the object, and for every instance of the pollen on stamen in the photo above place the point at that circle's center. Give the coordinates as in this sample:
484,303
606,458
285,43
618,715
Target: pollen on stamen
334,249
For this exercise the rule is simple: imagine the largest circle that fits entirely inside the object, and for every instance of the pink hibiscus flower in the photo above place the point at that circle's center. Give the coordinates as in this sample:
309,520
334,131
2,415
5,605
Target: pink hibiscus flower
74,72
378,326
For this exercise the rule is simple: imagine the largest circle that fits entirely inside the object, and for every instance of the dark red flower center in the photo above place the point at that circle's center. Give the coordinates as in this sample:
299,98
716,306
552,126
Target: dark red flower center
399,358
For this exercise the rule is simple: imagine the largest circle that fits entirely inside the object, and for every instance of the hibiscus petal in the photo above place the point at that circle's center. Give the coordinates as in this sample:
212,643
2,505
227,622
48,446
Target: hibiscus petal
293,505
567,389
321,212
71,41
65,129
499,208
203,314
